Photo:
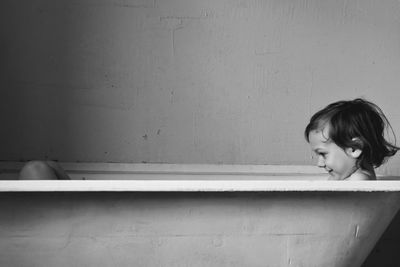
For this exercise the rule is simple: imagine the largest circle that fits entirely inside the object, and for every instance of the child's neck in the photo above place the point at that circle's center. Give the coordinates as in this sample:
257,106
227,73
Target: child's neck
363,174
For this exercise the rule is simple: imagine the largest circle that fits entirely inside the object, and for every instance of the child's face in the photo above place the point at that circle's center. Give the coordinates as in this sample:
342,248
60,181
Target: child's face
336,161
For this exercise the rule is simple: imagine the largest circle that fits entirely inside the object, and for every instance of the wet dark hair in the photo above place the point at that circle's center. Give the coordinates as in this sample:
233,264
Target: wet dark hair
357,124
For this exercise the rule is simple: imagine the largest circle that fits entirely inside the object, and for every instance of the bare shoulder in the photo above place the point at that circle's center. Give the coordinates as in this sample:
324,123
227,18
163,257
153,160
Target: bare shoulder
361,176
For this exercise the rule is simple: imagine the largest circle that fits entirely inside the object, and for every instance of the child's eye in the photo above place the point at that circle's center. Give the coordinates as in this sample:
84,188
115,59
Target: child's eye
322,154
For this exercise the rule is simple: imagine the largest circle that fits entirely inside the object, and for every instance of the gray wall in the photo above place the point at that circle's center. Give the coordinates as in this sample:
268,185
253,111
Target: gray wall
186,81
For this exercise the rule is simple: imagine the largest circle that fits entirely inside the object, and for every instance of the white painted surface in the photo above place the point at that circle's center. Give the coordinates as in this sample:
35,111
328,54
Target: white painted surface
270,184
210,216
191,228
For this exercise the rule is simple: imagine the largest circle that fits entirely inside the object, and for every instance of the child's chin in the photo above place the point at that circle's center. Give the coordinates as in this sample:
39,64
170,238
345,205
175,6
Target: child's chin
337,177
334,176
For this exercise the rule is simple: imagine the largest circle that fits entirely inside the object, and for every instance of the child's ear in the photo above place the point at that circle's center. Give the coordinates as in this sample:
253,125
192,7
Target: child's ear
355,152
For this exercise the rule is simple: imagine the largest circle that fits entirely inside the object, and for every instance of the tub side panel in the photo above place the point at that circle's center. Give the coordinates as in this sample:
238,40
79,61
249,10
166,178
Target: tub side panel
185,229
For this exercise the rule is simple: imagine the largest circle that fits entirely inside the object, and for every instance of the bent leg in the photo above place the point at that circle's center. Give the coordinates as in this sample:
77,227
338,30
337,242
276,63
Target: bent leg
42,170
60,172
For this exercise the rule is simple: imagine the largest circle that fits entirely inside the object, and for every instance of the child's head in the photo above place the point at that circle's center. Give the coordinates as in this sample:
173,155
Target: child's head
347,135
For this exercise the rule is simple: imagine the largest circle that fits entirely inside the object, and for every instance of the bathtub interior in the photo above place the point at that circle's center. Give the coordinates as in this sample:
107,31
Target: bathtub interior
118,171
134,171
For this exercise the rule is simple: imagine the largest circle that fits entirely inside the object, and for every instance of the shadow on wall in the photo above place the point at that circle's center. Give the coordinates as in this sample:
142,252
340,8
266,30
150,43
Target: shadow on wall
35,75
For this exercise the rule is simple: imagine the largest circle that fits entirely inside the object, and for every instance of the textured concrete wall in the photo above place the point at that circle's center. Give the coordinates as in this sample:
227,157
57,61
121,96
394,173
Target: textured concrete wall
187,81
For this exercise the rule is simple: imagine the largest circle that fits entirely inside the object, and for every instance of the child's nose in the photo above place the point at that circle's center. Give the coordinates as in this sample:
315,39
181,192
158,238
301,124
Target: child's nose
321,162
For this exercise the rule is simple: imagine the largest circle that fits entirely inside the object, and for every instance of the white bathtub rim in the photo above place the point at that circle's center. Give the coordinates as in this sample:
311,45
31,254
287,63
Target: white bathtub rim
197,186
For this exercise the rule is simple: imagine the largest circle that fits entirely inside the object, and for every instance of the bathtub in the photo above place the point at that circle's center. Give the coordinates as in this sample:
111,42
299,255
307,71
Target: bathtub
191,215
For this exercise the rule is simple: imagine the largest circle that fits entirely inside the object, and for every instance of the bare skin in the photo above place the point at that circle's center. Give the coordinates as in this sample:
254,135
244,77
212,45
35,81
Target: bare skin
341,164
42,170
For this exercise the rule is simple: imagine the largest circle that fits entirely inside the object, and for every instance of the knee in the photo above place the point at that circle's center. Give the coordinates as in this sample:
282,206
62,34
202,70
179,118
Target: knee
37,170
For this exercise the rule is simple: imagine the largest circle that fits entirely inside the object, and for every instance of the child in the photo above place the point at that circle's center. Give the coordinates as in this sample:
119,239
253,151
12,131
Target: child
348,139
42,170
